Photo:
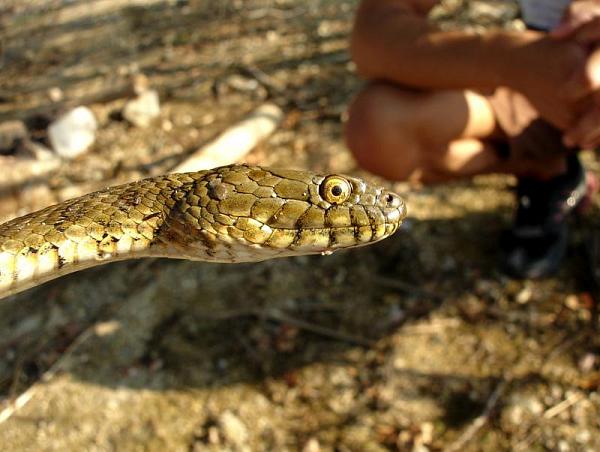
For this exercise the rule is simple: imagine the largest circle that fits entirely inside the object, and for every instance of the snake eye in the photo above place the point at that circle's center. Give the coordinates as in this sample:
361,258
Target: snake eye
335,189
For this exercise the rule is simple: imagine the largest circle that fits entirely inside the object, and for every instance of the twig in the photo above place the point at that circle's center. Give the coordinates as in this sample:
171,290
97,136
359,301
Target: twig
278,316
318,329
406,287
479,421
261,77
432,327
564,405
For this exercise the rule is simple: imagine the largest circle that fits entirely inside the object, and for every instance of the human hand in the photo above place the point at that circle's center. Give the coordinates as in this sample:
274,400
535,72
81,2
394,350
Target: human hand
582,13
555,75
584,130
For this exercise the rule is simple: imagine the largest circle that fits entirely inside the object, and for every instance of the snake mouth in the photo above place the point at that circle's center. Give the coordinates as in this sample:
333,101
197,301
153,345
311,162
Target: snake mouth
329,239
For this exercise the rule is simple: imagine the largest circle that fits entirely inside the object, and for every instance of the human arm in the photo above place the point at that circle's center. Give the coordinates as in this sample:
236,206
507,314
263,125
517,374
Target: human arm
392,40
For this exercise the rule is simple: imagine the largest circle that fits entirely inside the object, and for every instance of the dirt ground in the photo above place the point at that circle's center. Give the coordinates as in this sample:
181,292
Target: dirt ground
418,343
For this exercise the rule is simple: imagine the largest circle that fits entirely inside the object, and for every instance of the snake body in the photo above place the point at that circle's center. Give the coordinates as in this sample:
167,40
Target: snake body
235,213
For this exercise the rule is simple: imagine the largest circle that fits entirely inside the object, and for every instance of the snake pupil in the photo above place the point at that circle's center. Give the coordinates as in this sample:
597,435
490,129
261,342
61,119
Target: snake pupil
336,190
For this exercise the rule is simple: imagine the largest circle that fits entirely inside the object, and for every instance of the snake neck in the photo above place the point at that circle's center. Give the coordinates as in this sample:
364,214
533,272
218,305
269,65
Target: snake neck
111,225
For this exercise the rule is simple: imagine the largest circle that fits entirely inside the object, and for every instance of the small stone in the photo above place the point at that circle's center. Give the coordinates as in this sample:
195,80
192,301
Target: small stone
572,302
483,10
167,125
73,133
522,406
587,362
563,446
524,295
213,435
240,83
141,110
533,405
13,134
426,433
233,429
583,436
272,36
312,445
55,94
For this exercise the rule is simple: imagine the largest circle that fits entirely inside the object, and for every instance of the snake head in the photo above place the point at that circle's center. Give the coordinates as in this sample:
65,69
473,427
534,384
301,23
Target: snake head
242,213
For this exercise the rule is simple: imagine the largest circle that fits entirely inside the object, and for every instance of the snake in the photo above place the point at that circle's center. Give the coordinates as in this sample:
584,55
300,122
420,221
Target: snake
234,213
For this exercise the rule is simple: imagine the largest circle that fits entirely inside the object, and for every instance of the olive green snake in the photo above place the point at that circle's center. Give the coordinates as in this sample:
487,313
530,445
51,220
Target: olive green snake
235,213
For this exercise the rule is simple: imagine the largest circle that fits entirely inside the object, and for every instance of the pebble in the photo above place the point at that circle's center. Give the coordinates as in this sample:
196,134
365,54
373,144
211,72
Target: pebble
524,295
497,12
143,109
521,407
312,445
73,133
233,429
13,134
427,433
572,302
55,94
583,436
588,362
563,446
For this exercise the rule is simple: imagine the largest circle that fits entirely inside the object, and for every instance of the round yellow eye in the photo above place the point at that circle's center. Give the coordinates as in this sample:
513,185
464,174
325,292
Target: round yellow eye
335,189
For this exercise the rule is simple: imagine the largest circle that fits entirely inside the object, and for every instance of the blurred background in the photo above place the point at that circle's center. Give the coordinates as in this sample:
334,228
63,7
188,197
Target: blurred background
417,343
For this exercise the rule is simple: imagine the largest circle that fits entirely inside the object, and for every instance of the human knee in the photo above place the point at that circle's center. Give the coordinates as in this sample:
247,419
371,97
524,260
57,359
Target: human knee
380,133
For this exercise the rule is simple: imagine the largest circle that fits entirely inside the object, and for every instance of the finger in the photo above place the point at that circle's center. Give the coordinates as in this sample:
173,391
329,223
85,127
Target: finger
583,81
589,32
577,86
565,29
592,141
576,16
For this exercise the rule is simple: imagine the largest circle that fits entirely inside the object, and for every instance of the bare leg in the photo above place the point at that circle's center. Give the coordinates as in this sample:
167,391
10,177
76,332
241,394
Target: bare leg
431,136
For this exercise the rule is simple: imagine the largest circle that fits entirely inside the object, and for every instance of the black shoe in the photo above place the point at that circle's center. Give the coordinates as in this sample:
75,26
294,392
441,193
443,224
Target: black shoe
537,243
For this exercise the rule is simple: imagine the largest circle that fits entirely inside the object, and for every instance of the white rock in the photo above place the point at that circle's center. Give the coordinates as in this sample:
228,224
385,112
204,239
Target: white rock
73,133
233,429
312,445
143,109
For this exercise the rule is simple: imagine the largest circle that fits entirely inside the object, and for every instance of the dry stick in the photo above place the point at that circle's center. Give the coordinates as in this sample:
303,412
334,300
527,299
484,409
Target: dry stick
564,405
278,316
480,421
235,142
31,169
408,288
318,329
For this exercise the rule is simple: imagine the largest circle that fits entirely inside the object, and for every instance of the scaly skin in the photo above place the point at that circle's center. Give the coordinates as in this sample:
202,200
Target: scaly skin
236,213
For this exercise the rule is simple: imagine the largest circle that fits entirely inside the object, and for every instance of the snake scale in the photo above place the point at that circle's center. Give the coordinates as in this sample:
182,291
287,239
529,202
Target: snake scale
235,213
